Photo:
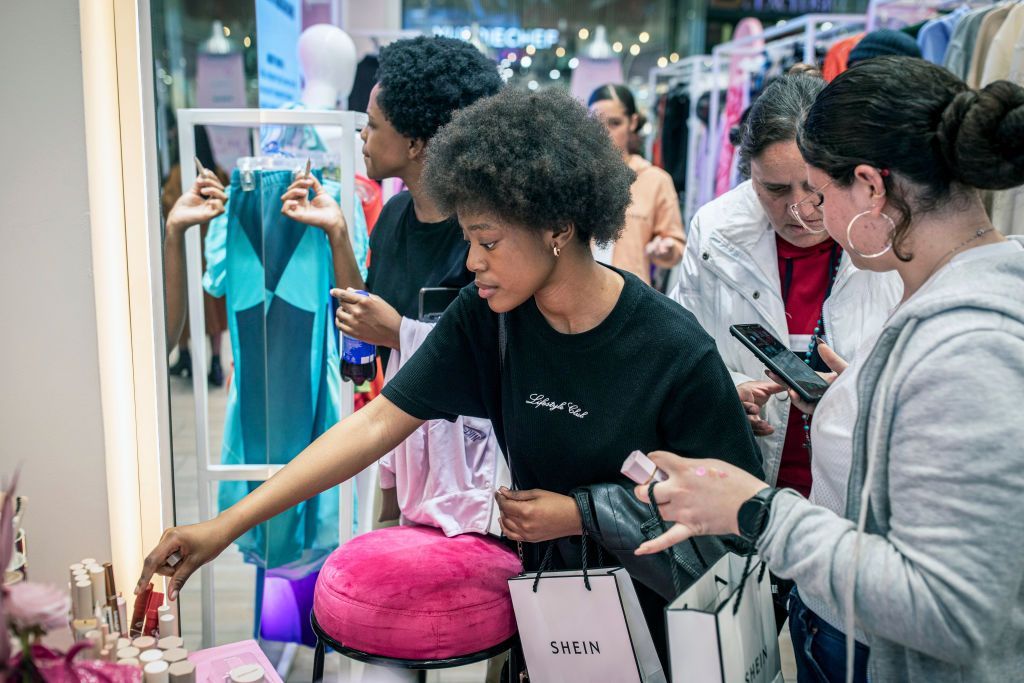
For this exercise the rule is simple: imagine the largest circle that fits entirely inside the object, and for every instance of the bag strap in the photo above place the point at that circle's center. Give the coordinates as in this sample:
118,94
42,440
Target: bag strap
502,348
545,565
677,579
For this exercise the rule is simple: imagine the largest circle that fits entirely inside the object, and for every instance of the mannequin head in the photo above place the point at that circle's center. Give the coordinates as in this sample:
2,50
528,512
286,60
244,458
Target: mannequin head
327,57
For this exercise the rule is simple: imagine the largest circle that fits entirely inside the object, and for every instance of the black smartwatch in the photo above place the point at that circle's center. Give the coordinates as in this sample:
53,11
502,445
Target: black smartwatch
753,515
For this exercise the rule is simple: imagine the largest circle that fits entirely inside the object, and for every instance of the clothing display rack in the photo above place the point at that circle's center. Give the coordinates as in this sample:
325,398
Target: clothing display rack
208,472
895,13
808,31
695,74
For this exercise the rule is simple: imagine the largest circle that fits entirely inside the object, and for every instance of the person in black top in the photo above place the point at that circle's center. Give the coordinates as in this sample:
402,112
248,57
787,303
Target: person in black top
595,365
421,81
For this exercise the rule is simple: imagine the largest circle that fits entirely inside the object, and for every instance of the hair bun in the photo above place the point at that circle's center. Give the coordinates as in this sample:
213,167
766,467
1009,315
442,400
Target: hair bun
981,136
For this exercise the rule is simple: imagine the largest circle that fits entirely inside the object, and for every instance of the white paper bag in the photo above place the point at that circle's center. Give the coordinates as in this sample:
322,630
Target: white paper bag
708,643
571,634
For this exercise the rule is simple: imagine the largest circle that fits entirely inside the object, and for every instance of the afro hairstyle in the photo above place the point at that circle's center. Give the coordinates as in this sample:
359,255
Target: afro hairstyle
423,80
538,160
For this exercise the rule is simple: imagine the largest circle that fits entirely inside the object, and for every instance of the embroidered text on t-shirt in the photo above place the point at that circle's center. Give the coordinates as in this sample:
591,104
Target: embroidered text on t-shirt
542,401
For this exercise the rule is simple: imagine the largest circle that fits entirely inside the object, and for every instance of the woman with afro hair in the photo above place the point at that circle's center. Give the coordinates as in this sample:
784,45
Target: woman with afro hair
421,82
575,363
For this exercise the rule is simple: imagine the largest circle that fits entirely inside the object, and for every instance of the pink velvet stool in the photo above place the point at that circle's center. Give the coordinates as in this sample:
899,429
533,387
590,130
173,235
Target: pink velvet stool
410,597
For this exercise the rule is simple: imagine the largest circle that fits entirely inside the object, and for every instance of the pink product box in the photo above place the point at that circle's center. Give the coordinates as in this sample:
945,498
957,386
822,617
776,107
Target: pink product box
213,664
641,469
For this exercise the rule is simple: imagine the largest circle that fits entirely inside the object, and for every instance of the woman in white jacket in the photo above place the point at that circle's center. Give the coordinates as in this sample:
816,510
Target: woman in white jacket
754,256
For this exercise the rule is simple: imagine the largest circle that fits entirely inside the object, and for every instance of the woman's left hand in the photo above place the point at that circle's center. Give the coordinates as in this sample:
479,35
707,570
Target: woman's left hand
665,252
537,515
703,497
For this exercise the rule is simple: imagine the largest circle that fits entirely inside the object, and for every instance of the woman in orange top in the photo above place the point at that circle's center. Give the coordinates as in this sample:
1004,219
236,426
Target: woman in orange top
654,226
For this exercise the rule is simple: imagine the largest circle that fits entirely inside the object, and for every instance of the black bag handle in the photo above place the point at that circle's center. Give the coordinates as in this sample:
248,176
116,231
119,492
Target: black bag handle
677,579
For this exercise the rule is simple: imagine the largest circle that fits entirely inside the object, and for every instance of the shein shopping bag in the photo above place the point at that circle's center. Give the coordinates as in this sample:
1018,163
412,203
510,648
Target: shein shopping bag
570,633
708,643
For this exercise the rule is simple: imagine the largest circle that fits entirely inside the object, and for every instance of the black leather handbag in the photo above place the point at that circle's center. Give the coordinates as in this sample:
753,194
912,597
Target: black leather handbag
619,522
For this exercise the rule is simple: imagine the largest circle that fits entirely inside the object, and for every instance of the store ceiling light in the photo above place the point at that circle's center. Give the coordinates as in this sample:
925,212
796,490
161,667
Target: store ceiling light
616,46
227,32
560,51
644,36
573,63
247,41
634,49
555,74
533,85
527,62
827,25
512,56
531,50
662,62
674,57
584,34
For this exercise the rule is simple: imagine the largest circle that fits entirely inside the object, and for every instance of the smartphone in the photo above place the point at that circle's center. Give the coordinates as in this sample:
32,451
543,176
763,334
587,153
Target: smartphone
434,301
780,360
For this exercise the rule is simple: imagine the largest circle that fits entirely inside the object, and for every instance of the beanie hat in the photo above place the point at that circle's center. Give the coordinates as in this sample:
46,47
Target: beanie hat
884,42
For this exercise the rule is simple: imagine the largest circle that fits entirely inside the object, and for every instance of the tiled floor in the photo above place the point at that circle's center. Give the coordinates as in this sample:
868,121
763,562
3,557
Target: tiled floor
235,580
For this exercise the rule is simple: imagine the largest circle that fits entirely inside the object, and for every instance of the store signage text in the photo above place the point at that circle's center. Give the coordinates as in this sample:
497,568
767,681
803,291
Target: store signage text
776,6
500,37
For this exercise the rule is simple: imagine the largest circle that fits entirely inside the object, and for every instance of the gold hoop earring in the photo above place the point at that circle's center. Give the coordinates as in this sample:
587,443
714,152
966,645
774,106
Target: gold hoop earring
849,240
556,251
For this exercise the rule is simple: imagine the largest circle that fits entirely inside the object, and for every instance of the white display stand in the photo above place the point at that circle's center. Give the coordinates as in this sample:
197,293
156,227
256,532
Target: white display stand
208,472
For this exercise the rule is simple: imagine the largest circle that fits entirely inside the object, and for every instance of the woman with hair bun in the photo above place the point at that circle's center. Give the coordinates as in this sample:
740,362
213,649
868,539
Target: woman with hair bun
922,559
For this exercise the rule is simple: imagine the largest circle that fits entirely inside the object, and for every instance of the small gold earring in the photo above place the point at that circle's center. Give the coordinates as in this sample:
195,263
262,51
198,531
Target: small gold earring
557,252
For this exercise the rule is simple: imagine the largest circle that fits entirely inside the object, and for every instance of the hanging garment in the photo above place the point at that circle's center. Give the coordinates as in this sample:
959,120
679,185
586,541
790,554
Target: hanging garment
934,36
675,135
366,78
736,101
962,43
837,57
659,128
990,26
445,474
1008,205
276,275
999,59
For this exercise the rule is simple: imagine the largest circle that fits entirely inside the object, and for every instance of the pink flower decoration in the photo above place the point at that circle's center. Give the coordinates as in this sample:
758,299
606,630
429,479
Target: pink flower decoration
31,605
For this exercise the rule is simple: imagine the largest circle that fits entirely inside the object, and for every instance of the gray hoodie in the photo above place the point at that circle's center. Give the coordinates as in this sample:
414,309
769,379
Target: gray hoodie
936,580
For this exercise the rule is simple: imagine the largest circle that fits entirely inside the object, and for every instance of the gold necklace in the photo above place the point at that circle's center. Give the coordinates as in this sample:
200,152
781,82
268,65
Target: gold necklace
945,259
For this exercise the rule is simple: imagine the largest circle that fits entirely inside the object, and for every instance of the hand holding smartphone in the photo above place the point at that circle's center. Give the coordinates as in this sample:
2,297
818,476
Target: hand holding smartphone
780,360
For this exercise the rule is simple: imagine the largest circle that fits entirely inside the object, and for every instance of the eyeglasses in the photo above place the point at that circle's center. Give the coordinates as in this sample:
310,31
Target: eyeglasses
808,210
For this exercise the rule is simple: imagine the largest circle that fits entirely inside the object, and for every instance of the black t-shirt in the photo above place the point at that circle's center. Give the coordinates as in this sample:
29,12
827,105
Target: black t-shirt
406,255
568,408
